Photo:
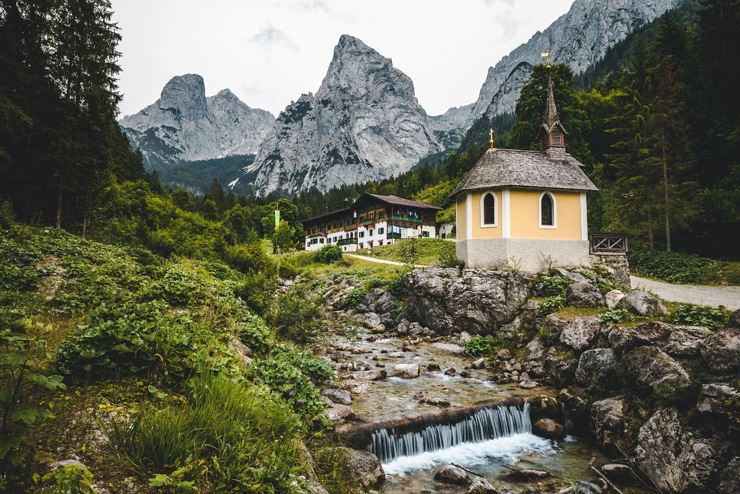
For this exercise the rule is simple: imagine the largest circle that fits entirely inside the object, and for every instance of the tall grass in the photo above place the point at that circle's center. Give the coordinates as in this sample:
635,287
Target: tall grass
229,436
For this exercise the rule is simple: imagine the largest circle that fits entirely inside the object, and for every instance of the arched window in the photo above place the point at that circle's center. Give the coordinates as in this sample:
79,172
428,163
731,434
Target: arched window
488,209
547,210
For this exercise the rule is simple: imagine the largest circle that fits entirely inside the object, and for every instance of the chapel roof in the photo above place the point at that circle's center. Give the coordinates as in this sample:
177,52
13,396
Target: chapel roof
525,169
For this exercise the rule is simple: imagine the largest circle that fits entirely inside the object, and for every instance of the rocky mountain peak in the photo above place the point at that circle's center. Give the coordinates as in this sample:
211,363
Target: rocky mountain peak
187,94
185,125
364,123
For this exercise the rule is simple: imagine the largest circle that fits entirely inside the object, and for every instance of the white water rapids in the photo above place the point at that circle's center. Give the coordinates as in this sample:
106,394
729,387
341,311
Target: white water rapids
502,433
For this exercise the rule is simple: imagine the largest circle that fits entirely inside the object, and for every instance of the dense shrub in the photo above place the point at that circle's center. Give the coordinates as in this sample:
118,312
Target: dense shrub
7,216
229,437
615,316
448,256
280,373
698,315
328,254
287,270
674,267
296,315
355,297
551,304
487,345
551,285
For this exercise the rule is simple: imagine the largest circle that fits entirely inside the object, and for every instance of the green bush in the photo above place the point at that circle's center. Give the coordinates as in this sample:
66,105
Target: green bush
615,316
355,297
287,270
551,304
699,315
280,373
329,254
230,437
487,345
146,337
448,256
551,286
297,315
7,216
674,267
397,287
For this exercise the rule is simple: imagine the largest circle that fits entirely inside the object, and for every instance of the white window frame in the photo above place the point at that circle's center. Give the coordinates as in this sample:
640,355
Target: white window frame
483,223
554,211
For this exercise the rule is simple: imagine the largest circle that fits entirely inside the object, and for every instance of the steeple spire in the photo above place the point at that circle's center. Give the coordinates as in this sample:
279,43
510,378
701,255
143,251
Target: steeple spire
551,110
552,132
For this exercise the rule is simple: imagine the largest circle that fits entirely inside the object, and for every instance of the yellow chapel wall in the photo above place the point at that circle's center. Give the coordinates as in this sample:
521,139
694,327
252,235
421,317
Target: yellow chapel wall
460,226
485,231
525,211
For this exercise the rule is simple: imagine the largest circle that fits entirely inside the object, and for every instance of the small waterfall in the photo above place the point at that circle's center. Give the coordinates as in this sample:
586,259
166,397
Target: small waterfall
567,420
486,423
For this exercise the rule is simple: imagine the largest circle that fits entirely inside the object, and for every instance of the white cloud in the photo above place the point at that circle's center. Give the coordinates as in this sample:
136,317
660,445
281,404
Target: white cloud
270,36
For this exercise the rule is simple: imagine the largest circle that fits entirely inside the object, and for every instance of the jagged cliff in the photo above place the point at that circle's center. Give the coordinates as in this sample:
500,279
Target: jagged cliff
364,123
184,125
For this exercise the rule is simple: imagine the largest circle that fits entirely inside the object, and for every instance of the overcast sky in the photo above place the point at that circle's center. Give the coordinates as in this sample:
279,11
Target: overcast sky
269,52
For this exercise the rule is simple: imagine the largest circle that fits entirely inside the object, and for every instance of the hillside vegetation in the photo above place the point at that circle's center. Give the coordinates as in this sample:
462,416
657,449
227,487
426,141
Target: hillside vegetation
150,371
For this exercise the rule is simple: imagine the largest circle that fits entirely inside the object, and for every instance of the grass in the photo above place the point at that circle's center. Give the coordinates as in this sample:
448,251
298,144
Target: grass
429,250
138,336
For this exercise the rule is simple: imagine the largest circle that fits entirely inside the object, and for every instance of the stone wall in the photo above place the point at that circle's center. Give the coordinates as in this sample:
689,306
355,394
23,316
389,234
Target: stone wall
617,265
531,255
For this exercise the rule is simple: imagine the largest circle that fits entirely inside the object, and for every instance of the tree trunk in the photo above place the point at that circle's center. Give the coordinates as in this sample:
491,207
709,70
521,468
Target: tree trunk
60,198
665,193
651,237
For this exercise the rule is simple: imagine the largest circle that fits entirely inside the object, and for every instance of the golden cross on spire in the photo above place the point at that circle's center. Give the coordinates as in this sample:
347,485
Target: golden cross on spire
490,138
546,55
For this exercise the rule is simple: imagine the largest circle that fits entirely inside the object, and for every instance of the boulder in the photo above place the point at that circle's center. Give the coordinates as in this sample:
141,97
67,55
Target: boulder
451,474
721,351
613,297
685,341
651,367
579,332
548,429
583,487
370,375
642,303
339,412
482,486
673,458
583,294
714,397
476,300
616,472
408,371
366,466
597,367
66,463
622,339
536,349
449,347
340,396
729,477
478,364
381,301
572,275
575,411
607,420
735,319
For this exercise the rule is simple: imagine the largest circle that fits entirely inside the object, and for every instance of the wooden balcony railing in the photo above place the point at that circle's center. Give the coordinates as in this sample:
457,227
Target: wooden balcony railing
608,243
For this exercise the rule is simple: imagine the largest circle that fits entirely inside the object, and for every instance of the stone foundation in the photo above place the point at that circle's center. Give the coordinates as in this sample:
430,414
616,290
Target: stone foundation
532,255
617,265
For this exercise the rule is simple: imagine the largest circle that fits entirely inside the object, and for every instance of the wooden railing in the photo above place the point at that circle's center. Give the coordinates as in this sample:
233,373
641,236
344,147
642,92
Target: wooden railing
608,243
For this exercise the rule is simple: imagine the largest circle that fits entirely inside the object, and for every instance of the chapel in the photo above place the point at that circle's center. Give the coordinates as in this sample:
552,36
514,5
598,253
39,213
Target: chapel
525,208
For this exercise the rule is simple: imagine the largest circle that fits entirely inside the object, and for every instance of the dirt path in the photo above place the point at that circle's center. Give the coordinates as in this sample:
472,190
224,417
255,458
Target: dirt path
382,261
729,296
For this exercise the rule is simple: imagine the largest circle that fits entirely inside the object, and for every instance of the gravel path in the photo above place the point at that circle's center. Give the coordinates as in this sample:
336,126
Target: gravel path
382,261
729,296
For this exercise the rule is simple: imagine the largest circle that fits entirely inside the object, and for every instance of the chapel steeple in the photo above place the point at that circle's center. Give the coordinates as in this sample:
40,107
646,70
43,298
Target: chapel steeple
552,132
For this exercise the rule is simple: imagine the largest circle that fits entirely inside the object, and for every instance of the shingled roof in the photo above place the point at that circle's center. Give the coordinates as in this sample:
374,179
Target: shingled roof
400,201
526,169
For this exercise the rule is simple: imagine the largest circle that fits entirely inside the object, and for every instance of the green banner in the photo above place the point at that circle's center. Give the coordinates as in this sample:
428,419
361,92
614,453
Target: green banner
277,218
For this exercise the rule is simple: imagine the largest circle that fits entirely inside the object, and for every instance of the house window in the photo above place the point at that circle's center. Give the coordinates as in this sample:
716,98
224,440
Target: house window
381,231
370,233
547,210
488,209
362,234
